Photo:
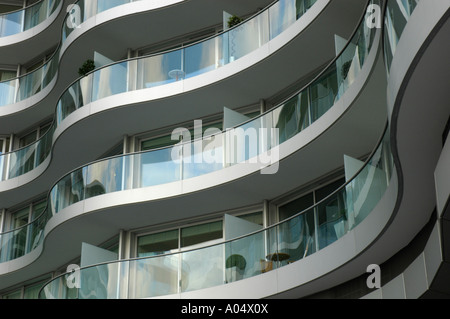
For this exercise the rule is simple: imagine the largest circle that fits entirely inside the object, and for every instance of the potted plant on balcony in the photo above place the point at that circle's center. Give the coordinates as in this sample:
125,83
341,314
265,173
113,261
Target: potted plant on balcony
234,20
236,265
87,67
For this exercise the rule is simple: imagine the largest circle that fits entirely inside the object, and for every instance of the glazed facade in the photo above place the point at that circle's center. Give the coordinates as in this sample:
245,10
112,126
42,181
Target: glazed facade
276,157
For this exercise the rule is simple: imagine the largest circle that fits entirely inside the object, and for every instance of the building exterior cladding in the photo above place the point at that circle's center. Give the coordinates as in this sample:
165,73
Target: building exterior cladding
285,156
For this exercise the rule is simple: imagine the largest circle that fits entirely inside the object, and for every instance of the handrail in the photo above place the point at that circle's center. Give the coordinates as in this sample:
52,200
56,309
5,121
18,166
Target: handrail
46,210
14,85
54,123
384,138
23,11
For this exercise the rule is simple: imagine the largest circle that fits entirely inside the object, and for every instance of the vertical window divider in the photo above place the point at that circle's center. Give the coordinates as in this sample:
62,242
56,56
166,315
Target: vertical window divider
8,157
316,223
180,279
22,28
17,86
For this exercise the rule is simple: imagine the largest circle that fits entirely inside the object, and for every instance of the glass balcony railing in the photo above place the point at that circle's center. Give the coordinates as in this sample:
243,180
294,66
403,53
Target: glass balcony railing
262,251
18,89
397,16
283,13
184,161
24,19
21,88
142,72
177,65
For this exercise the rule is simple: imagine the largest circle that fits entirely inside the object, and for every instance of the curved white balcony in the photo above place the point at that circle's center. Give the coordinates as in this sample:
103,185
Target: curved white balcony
27,164
36,91
254,265
417,106
118,189
405,201
25,23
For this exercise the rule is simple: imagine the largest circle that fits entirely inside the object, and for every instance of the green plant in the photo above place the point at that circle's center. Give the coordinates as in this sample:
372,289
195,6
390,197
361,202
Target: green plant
236,261
87,67
234,20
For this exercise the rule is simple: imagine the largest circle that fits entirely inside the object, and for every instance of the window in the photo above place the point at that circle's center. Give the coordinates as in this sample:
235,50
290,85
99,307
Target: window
112,244
331,212
34,135
6,75
166,140
201,233
158,244
27,235
172,240
34,155
255,218
158,167
35,233
17,294
18,221
157,142
29,290
297,236
28,139
4,148
296,206
175,239
7,86
306,201
32,291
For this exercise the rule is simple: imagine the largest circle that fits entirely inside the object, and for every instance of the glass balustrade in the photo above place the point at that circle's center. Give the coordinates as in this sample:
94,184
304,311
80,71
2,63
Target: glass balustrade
21,88
263,251
177,65
397,16
18,89
142,73
198,157
27,18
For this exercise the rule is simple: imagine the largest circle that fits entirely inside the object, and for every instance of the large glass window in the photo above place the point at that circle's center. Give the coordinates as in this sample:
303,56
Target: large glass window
157,142
7,87
25,234
201,233
297,237
4,148
7,75
35,232
296,206
33,155
19,220
31,137
175,239
166,140
17,294
158,244
255,218
32,291
28,139
331,214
